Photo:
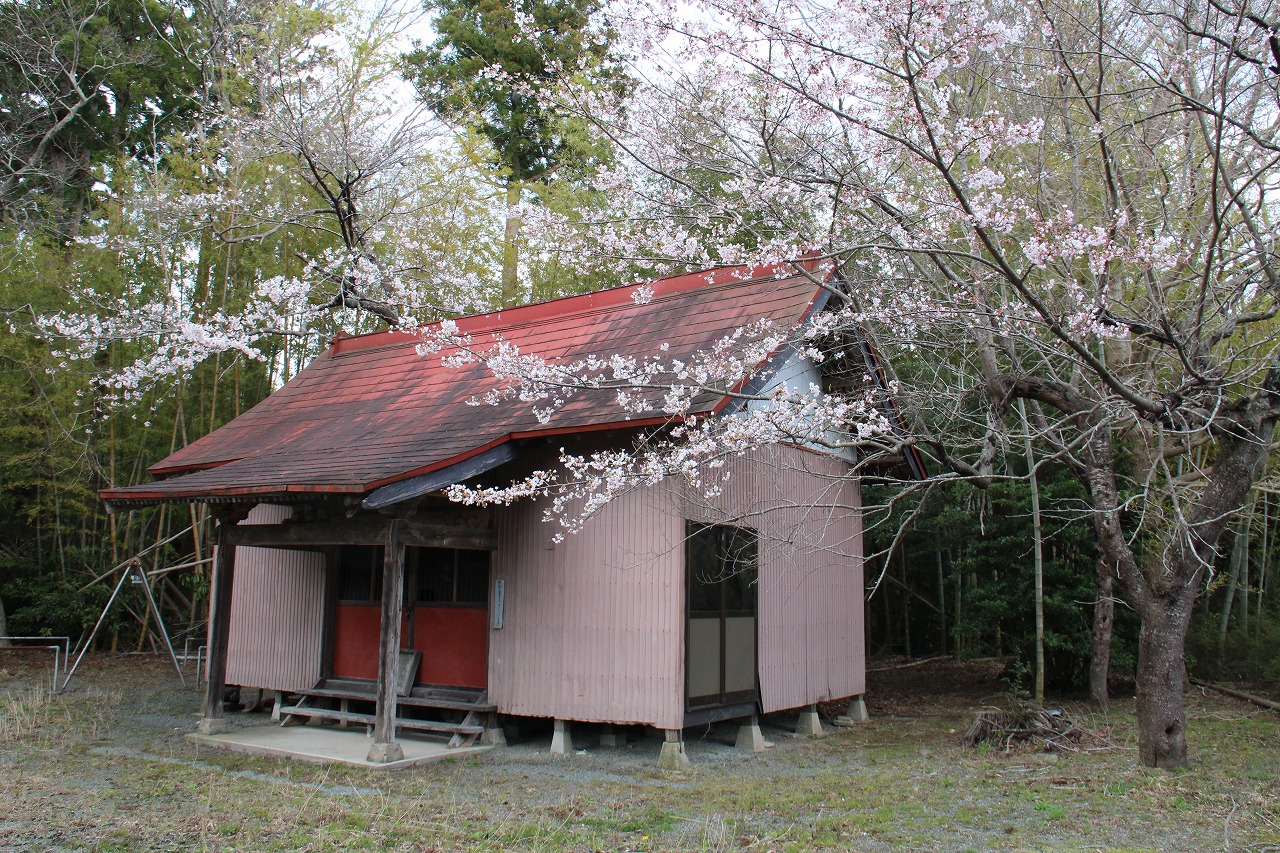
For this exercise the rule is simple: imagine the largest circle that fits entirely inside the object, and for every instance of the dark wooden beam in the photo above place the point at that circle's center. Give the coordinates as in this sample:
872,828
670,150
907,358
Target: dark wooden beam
416,487
370,530
441,536
331,576
220,585
385,748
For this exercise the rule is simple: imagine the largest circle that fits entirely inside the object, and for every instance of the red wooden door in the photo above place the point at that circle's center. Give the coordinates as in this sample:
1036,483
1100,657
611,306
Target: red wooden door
447,601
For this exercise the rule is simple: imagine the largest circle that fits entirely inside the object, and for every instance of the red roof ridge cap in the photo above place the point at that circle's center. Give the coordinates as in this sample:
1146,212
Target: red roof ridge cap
610,299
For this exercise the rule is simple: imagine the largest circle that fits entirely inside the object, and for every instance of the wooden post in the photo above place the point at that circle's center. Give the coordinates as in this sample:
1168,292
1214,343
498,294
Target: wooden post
385,748
220,618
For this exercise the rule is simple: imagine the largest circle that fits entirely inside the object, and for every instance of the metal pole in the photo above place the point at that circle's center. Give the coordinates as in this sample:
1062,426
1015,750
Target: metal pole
89,642
126,563
155,611
66,643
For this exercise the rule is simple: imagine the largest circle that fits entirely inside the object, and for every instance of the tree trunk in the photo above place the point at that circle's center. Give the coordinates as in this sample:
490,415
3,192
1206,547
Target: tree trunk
1266,555
4,627
1161,676
1037,538
1104,612
1242,542
942,596
510,250
1237,553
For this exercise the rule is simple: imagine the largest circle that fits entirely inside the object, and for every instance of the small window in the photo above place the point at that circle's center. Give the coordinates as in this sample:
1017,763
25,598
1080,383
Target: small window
360,574
450,576
722,563
472,586
435,574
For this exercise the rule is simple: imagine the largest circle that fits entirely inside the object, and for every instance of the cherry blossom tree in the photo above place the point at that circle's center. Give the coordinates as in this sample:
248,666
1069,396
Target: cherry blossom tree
349,209
1059,203
1067,204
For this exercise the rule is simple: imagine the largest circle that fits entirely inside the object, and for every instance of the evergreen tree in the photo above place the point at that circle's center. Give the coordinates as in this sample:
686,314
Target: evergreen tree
491,67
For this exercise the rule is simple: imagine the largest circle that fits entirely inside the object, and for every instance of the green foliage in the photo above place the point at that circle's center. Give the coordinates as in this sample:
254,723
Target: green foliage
1247,651
82,82
42,602
1248,655
984,540
491,61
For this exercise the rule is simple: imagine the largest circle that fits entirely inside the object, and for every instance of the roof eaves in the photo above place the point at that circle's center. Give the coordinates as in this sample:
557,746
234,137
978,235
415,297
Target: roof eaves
736,400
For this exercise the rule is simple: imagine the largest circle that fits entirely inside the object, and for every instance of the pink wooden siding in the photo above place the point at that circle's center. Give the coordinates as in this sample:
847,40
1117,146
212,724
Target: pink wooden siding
593,626
811,591
277,613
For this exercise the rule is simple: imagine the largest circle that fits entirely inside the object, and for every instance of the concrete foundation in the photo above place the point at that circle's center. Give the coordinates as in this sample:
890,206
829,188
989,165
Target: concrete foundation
750,738
612,737
326,745
212,726
385,753
810,724
562,739
672,756
856,714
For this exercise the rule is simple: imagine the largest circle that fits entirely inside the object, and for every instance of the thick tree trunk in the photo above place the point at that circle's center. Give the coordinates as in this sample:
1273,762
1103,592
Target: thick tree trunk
1161,677
1104,612
4,626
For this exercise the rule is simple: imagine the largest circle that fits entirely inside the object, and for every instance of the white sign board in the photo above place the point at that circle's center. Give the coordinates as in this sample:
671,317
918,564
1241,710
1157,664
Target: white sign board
499,599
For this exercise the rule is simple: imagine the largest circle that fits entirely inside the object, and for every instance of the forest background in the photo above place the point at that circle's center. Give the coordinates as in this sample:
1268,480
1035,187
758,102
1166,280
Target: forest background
195,198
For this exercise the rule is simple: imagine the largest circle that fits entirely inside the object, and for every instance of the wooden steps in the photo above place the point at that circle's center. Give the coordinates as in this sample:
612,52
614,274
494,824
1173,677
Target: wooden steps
332,700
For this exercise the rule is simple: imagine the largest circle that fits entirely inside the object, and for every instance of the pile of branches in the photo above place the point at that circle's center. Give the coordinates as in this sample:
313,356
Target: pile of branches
1052,729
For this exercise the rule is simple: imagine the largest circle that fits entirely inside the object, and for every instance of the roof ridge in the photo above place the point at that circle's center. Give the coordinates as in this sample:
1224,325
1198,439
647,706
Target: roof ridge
528,315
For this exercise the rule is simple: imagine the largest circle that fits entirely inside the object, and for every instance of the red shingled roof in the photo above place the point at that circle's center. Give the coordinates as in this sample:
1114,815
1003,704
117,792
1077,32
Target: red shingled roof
371,411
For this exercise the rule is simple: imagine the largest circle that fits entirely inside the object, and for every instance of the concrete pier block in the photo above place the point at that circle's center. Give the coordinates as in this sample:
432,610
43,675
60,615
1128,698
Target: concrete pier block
810,724
213,726
672,756
612,737
384,753
857,713
494,734
750,738
562,739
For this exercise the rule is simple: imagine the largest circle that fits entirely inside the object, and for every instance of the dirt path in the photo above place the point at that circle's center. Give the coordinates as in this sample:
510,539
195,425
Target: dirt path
105,767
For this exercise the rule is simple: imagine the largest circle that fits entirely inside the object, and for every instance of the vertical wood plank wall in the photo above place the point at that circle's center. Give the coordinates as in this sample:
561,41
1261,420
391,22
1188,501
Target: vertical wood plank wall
811,641
277,613
594,625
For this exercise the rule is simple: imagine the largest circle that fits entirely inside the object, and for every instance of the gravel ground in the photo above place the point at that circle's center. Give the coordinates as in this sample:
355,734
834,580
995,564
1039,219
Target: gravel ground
105,767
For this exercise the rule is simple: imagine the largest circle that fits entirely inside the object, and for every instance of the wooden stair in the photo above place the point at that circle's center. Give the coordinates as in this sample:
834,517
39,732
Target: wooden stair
428,709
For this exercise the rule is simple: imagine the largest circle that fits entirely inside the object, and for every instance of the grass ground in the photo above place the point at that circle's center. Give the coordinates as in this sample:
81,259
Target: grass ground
105,767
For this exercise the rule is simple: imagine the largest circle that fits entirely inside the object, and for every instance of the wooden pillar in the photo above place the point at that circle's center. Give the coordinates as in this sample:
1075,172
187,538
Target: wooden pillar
385,748
220,617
